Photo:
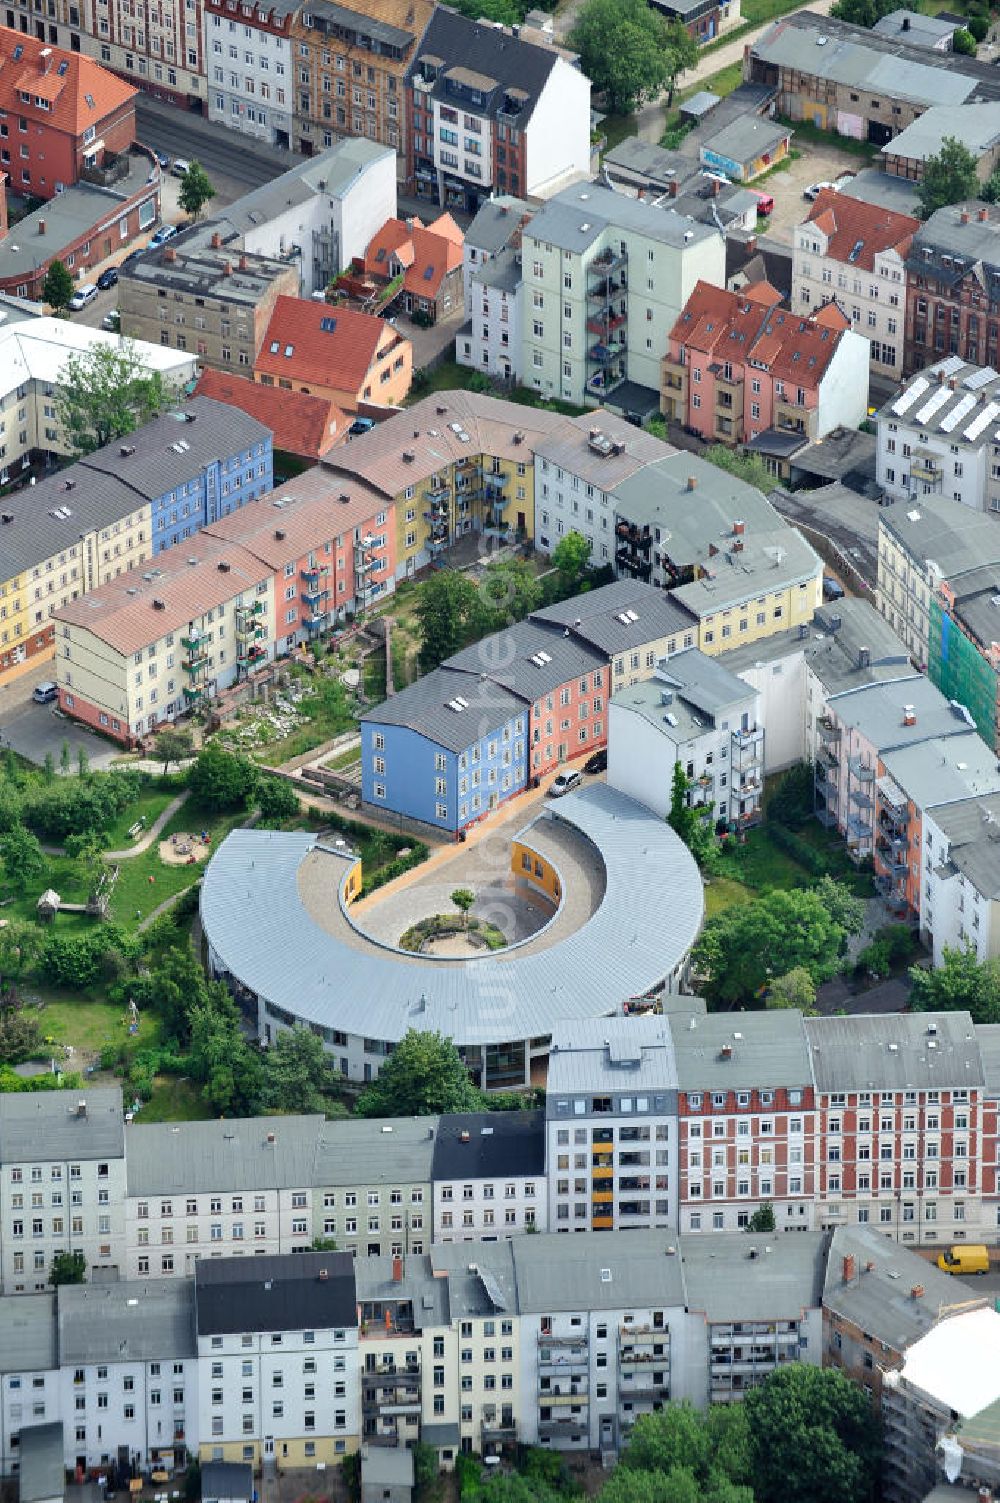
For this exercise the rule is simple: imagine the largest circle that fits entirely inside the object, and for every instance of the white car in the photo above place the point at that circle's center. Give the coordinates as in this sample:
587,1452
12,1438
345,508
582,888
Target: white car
180,166
564,782
82,296
815,189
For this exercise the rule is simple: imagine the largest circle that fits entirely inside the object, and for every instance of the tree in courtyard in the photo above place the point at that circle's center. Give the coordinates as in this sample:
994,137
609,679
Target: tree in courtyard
795,989
740,949
57,288
298,1074
692,822
960,983
813,1437
679,1455
195,191
762,1219
963,42
219,779
20,947
106,393
275,799
949,178
421,1077
627,50
508,591
463,899
571,561
22,857
172,744
978,26
447,615
20,1030
68,1268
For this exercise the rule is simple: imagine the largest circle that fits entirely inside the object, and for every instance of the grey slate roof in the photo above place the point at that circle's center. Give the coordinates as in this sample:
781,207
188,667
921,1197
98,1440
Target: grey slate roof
595,617
227,1479
190,264
41,1471
988,1038
612,1054
131,1321
331,173
878,1298
894,1052
286,1292
768,1050
972,828
497,220
257,924
212,430
34,534
832,651
876,712
753,1277
873,186
966,243
235,1154
44,1125
424,707
634,158
577,217
28,1334
942,769
744,140
494,1144
507,658
592,1271
957,539
914,29
601,448
977,126
469,1293
479,48
703,682
376,1151
427,1295
502,271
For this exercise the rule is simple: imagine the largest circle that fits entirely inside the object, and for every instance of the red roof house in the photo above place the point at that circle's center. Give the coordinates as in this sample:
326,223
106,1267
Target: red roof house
427,257
350,358
305,426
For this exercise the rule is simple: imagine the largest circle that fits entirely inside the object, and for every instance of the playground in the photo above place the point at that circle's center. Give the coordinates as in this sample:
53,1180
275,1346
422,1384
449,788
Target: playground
182,849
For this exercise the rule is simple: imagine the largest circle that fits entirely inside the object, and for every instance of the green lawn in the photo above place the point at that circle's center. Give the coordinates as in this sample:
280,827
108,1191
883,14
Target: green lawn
722,893
175,1101
149,807
87,1021
135,893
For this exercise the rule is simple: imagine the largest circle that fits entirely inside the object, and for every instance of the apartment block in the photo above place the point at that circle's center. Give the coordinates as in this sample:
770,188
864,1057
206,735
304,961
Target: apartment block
278,1357
490,339
492,111
62,1184
489,1177
353,358
856,254
938,437
163,56
605,280
946,310
373,1185
248,67
959,889
740,369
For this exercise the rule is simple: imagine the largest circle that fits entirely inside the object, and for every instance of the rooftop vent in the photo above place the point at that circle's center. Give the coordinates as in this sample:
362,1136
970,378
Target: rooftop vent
159,605
126,449
279,535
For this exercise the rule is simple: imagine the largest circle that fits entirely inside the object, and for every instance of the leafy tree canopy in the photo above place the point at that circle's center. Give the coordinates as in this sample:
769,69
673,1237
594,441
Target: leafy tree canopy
571,561
961,983
107,393
298,1073
172,744
742,948
949,177
68,1268
195,191
508,591
276,799
220,779
448,615
795,989
422,1076
57,288
813,1437
629,52
22,857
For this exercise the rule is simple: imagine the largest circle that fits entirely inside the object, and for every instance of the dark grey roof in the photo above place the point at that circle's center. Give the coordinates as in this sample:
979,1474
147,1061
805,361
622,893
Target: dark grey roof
479,48
970,244
356,23
832,647
43,1125
876,712
741,1051
233,1154
59,223
28,1334
441,1433
496,222
636,160
34,533
957,538
502,270
704,682
761,1278
873,186
972,828
481,1280
41,1472
331,172
190,264
287,1292
595,617
759,259
988,1038
894,1052
377,1283
480,1145
376,1151
510,658
132,1321
226,1479
211,431
387,1466
425,707
877,1296
914,29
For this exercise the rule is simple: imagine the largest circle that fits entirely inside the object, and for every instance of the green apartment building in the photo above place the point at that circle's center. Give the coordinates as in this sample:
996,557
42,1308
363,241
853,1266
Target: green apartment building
962,668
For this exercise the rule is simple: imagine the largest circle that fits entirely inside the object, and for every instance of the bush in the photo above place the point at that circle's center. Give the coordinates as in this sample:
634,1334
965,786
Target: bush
393,869
79,961
964,42
800,850
791,803
979,26
81,806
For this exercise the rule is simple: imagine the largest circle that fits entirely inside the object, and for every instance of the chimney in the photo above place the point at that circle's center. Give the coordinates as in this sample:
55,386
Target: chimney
716,186
227,270
170,254
243,263
909,715
271,1138
397,1270
41,226
726,1052
869,1266
692,484
849,1268
917,1291
864,657
940,376
464,1136
323,1275
81,1108
906,23
216,240
984,216
963,218
750,244
952,384
673,188
739,528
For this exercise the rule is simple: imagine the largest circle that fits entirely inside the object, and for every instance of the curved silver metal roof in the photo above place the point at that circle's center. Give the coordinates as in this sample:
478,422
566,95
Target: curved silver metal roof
255,921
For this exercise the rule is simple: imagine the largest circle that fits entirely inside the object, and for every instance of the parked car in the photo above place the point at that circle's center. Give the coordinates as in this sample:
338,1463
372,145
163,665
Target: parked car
112,321
815,189
598,762
108,279
82,296
164,233
162,158
832,588
565,782
44,694
765,203
360,425
180,166
132,256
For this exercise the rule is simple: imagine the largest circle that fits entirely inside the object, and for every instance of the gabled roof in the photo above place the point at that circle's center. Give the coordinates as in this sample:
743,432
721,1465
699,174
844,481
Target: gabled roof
751,327
463,55
79,92
425,707
304,425
288,1292
332,347
426,253
473,1145
857,231
530,658
312,509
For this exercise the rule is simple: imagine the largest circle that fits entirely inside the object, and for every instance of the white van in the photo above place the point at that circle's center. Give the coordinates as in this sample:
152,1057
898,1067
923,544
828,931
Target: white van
82,296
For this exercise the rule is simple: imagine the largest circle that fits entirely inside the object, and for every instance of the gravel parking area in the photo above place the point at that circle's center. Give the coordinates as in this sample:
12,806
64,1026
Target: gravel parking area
817,164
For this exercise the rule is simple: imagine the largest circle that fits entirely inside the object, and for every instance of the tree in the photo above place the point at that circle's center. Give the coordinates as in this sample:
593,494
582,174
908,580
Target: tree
20,947
276,799
463,899
963,42
979,26
571,561
421,1077
20,1030
692,822
795,989
682,53
298,1073
68,1268
228,1069
447,614
742,947
323,1244
748,467
219,779
791,803
840,902
960,984
674,1437
949,177
195,191
762,1219
106,393
22,857
813,1437
58,287
625,50
862,12
990,192
171,745
508,591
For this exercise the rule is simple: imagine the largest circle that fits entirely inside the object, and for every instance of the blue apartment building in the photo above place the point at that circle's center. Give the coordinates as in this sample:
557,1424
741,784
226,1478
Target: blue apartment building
446,751
193,464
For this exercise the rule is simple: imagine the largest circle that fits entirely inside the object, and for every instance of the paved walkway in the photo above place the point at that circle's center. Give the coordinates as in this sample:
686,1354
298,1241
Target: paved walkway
151,834
164,907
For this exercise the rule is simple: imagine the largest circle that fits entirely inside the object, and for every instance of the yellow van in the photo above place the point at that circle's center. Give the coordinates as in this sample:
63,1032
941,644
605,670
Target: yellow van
974,1258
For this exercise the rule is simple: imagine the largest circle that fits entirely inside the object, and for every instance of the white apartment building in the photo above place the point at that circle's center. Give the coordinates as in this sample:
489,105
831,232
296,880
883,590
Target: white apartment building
496,228
278,1359
605,278
128,1374
939,436
372,1185
490,338
854,253
62,1184
249,70
488,1176
29,1371
960,877
695,712
611,1125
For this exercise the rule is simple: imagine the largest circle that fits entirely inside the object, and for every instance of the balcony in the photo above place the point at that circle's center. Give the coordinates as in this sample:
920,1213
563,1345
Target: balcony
605,382
609,260
194,660
864,774
192,693
603,354
312,595
314,575
606,323
829,731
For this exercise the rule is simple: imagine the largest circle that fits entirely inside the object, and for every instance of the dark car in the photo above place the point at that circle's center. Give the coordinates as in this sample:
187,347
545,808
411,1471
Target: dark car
832,588
108,279
162,158
132,256
597,763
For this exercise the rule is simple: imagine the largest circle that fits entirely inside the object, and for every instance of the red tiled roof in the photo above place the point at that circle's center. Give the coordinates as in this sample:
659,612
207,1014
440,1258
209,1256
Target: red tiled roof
302,424
729,326
332,347
426,253
79,92
849,223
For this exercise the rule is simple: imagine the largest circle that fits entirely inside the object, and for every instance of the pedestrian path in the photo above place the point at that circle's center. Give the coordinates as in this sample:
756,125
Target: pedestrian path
151,834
